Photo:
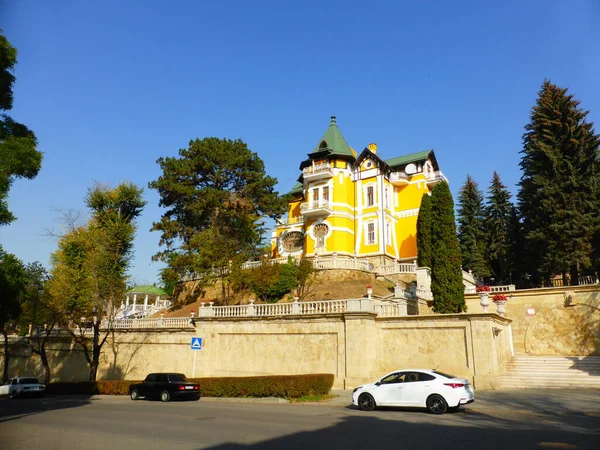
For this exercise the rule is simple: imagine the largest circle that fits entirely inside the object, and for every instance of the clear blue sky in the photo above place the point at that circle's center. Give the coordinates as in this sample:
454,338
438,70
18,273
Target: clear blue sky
110,86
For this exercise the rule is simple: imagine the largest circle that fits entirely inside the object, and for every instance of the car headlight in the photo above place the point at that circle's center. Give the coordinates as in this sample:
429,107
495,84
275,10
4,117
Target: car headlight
356,389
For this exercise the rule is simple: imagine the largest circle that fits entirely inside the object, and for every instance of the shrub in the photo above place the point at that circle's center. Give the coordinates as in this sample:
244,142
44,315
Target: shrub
286,386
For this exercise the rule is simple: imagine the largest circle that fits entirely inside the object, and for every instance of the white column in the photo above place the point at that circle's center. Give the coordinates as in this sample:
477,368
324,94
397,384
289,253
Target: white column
146,302
157,301
126,301
134,301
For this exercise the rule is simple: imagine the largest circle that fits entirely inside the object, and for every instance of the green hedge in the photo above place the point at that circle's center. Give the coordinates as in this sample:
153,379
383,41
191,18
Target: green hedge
284,386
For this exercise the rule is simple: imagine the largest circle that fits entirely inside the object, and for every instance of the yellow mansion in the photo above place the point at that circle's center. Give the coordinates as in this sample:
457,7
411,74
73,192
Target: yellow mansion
358,206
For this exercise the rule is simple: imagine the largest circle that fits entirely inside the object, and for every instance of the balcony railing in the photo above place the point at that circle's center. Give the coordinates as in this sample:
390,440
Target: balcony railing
436,177
399,178
313,208
317,171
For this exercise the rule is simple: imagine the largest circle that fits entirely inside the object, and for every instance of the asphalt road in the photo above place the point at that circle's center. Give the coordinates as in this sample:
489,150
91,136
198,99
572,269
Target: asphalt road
498,420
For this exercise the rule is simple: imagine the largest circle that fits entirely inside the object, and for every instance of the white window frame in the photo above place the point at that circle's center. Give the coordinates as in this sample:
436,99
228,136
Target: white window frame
368,232
370,189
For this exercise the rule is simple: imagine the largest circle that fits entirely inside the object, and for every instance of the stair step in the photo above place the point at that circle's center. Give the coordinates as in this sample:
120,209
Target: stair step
553,372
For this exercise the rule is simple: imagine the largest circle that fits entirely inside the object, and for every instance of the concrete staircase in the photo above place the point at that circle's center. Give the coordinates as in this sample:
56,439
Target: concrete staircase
557,372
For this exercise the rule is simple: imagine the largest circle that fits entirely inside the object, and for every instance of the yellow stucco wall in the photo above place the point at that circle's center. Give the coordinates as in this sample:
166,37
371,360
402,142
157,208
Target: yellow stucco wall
350,214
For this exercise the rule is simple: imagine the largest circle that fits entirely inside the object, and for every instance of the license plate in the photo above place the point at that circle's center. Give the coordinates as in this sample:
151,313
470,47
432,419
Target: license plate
189,387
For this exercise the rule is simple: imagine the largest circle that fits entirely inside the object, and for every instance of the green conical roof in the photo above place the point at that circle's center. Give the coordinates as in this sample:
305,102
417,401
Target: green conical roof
146,289
333,141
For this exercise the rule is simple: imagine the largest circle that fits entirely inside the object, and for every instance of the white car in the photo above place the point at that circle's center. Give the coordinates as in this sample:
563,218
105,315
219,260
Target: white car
420,388
22,386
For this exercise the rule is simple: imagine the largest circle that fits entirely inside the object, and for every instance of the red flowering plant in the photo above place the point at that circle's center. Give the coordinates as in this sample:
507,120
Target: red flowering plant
483,288
369,286
499,298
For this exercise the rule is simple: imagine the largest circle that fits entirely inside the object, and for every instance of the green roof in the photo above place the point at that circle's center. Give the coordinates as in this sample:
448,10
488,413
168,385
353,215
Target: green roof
413,157
146,289
297,189
333,141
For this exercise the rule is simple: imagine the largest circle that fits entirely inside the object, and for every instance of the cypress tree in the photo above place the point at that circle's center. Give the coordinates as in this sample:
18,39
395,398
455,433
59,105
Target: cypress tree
471,234
424,233
498,213
446,272
558,195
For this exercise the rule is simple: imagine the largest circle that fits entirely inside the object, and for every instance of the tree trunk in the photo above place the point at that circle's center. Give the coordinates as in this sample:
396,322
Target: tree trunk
45,364
574,275
6,356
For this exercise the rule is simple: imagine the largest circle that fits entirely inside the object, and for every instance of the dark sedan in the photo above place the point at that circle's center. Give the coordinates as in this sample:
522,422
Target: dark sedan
165,386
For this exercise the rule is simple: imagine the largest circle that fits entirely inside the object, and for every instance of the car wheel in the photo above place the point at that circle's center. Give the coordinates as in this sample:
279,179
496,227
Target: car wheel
436,404
366,402
134,394
165,396
12,394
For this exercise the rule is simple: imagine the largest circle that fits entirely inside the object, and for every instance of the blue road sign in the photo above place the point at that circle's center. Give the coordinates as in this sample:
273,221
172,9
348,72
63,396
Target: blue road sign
196,343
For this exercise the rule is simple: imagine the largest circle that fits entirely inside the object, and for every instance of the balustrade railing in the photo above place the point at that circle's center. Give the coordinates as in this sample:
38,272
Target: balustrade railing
168,322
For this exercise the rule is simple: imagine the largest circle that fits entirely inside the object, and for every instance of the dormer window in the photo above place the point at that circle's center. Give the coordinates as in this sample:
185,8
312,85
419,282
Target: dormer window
323,144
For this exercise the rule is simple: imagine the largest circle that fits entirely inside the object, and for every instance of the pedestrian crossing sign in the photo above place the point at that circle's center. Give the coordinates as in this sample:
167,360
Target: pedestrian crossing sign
196,343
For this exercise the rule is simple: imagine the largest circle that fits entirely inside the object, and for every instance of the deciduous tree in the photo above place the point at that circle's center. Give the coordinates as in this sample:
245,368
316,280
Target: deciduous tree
89,270
19,157
12,289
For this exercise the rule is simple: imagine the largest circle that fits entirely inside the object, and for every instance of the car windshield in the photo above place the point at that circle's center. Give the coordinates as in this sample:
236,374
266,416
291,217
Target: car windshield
444,374
28,381
175,377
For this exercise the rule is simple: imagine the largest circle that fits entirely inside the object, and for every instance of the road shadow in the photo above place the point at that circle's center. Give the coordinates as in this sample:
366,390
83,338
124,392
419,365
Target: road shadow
443,432
14,409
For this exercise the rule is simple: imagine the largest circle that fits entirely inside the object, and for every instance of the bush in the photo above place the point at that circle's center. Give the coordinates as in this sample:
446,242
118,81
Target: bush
113,387
285,386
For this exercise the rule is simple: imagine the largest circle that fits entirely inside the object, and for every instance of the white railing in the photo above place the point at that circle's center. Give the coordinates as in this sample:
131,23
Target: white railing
317,168
506,288
397,268
323,307
328,262
436,176
290,220
310,206
398,176
169,322
586,280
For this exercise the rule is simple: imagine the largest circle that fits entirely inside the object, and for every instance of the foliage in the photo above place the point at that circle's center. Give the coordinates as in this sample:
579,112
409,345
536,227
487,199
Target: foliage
13,280
306,277
471,231
559,189
499,298
215,192
36,314
19,157
424,233
483,288
89,269
498,215
446,271
271,281
286,386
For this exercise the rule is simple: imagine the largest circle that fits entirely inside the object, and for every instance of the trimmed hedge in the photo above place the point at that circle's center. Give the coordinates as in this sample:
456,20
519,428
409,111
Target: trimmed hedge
285,386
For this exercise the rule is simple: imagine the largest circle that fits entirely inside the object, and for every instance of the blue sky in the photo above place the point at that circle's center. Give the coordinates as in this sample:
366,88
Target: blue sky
111,86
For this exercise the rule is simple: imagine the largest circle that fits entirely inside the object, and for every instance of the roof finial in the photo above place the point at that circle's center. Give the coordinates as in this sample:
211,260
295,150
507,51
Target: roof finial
332,119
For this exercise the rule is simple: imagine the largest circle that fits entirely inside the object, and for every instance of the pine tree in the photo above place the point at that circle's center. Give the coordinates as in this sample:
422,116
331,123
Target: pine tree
471,234
558,196
498,214
424,233
446,272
